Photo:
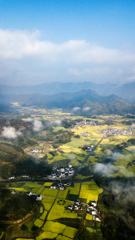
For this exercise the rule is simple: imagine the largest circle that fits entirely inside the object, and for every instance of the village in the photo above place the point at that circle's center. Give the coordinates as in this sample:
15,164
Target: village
84,122
62,172
90,209
116,131
60,186
89,148
76,206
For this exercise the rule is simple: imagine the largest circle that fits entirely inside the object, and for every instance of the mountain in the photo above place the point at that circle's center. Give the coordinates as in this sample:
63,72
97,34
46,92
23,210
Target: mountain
125,91
82,99
57,87
15,162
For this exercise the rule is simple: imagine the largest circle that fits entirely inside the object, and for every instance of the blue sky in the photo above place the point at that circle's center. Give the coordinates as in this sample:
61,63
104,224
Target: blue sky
49,40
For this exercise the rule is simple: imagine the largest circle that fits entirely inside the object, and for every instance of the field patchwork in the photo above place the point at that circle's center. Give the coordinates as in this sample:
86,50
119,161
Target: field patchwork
70,232
58,210
54,227
90,191
47,235
38,223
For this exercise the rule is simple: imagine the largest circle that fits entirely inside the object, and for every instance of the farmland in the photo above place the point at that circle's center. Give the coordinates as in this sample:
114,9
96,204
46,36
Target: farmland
56,146
54,209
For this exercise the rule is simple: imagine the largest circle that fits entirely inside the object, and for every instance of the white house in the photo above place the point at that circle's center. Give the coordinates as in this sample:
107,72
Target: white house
96,218
94,203
12,178
93,212
29,193
35,151
39,197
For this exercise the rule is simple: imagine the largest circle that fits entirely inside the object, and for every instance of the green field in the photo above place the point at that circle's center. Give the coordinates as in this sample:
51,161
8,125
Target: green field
40,190
49,192
32,185
38,223
35,190
70,232
90,191
18,189
58,211
25,238
47,202
60,237
88,217
54,227
48,235
42,217
63,194
48,184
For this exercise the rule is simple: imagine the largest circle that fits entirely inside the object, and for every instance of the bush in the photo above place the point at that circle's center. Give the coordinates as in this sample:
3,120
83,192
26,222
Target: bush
24,227
77,136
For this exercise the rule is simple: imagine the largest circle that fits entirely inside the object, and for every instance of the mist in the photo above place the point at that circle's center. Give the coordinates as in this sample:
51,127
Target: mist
10,133
37,125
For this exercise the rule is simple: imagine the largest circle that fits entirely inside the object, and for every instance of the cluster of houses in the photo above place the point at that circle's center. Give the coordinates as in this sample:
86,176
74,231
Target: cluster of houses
90,148
85,134
84,122
10,178
60,186
62,172
37,197
35,151
91,209
23,176
75,206
116,131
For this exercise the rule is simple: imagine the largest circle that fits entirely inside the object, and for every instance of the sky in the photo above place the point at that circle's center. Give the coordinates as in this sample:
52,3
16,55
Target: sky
67,41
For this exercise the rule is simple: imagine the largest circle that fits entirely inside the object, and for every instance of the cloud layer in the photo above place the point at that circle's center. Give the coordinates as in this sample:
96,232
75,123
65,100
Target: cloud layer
37,125
24,56
10,132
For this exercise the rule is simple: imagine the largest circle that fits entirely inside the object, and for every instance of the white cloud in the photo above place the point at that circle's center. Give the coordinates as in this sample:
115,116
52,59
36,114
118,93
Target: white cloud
58,122
37,125
103,169
10,132
86,109
76,108
21,50
18,44
124,171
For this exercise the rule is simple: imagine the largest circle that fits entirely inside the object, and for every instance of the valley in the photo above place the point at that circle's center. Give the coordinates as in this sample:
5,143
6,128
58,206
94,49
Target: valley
58,158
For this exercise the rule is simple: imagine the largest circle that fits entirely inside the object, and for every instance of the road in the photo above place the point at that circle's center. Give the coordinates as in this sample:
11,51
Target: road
85,160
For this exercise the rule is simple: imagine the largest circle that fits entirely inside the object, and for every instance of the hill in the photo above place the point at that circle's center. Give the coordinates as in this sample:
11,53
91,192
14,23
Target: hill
14,162
125,91
81,100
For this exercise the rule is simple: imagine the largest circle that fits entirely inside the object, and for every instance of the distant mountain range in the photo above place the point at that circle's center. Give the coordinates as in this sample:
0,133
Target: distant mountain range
125,91
84,102
99,99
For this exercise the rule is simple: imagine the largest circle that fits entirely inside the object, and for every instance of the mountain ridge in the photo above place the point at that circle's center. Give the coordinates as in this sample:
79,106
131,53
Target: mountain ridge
82,99
125,91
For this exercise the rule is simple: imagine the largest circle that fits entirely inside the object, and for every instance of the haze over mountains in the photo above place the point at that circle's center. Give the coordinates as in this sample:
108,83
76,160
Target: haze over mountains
98,99
125,91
